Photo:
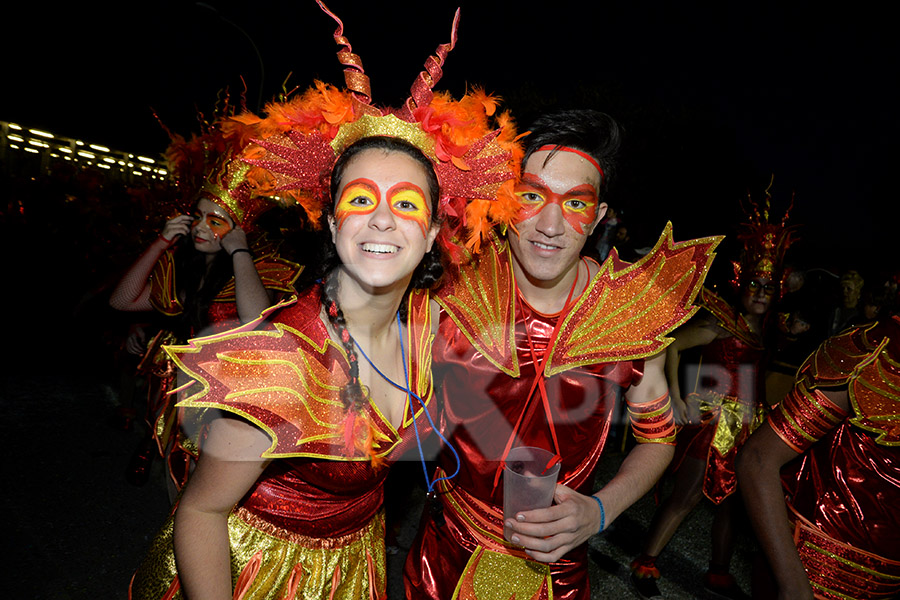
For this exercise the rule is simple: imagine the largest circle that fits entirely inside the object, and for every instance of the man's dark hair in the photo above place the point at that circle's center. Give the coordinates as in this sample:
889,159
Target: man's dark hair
590,131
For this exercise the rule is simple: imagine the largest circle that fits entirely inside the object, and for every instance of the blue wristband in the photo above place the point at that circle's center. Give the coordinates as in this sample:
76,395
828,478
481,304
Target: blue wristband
602,514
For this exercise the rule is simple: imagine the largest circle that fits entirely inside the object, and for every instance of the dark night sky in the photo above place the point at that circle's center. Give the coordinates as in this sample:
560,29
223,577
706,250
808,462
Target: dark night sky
714,97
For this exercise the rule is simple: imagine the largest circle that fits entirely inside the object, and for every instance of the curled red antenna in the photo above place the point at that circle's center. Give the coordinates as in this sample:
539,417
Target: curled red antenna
354,75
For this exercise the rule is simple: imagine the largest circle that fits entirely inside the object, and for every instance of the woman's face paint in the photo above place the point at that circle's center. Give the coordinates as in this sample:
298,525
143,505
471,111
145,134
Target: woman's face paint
408,202
362,196
209,216
578,205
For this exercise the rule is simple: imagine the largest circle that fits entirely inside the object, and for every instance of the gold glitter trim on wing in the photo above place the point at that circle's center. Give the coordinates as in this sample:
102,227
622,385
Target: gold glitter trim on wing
480,299
875,397
280,391
627,310
289,385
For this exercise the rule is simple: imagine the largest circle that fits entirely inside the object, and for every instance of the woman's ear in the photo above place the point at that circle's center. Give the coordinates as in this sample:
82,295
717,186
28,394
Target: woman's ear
432,235
333,228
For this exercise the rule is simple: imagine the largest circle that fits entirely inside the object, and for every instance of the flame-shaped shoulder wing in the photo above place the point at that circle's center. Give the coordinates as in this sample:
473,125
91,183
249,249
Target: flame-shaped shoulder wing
163,296
728,318
281,380
875,395
628,309
480,299
864,359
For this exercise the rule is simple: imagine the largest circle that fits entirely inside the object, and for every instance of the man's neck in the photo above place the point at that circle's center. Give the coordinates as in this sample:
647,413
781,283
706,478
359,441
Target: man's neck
549,297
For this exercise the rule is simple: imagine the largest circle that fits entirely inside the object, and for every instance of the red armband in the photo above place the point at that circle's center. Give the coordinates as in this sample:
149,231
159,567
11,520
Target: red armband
653,422
804,417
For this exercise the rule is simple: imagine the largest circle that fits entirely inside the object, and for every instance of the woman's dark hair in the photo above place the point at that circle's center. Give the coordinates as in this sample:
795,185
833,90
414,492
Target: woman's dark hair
191,268
593,132
426,274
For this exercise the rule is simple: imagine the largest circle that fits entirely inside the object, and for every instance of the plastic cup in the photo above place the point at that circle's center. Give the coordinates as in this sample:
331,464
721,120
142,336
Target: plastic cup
527,482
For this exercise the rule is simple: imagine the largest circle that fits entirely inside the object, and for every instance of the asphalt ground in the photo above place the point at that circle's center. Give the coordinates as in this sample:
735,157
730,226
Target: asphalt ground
76,529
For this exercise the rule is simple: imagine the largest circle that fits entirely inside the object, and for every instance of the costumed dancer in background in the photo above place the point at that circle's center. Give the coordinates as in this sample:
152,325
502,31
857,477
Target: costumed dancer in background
534,343
286,499
201,275
727,404
829,521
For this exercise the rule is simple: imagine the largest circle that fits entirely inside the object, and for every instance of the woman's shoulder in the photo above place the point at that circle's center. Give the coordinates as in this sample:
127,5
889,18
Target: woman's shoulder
304,314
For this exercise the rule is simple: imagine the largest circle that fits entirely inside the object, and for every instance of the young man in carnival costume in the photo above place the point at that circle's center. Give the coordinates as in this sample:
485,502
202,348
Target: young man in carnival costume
727,404
828,521
201,274
535,341
286,499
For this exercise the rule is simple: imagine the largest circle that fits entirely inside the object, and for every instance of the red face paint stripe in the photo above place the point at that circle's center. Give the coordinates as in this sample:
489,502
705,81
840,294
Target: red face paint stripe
585,156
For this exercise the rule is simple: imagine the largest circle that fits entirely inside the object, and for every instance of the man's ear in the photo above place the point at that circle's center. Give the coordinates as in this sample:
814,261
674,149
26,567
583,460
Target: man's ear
601,212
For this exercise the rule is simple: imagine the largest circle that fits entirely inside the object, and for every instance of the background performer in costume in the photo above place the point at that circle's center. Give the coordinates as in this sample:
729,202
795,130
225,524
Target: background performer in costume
534,343
830,523
728,404
200,275
286,500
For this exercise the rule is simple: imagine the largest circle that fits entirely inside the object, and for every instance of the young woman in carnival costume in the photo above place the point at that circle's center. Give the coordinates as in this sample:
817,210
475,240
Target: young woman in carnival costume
286,499
727,404
201,274
828,521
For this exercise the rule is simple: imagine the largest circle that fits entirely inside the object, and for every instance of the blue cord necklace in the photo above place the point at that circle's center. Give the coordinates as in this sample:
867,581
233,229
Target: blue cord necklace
410,395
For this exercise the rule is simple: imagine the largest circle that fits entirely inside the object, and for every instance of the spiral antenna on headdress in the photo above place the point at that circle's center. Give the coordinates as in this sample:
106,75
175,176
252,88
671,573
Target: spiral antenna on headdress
354,76
420,93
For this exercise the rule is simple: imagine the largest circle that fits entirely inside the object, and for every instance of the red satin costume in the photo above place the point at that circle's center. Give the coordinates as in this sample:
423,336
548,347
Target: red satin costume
312,524
493,398
843,495
730,393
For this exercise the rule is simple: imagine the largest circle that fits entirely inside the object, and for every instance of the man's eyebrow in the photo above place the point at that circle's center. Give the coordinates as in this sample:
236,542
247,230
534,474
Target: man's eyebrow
534,181
582,189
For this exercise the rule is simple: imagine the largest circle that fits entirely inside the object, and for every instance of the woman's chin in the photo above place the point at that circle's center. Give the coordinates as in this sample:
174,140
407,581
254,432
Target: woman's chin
378,283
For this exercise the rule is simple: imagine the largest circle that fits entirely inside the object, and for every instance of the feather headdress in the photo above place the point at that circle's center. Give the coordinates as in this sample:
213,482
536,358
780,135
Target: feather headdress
473,151
210,165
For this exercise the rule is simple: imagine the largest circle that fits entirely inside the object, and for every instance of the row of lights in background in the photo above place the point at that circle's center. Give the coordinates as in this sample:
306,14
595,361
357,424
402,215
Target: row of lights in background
15,138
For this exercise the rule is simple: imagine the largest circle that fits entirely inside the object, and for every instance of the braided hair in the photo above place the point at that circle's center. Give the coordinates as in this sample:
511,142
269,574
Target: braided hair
426,274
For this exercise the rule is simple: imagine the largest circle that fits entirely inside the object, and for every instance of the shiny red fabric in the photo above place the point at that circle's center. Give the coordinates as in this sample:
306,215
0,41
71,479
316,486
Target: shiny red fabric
844,490
729,369
481,406
317,497
848,487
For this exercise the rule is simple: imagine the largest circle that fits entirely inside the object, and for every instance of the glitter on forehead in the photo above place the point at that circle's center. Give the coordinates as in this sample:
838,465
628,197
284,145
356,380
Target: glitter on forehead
389,126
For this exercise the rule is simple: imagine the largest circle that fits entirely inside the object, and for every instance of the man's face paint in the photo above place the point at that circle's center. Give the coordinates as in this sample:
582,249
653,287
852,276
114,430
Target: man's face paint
362,196
579,204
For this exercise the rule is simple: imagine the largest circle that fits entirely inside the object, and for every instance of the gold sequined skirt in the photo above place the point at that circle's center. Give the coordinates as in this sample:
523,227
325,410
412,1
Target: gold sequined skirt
270,563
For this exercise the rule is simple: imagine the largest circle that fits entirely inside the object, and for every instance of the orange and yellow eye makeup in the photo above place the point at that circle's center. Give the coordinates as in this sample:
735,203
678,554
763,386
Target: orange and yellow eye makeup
216,224
579,204
362,196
